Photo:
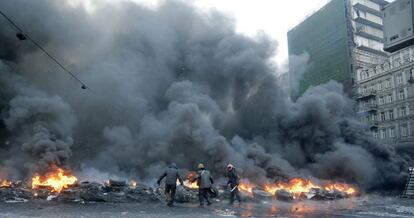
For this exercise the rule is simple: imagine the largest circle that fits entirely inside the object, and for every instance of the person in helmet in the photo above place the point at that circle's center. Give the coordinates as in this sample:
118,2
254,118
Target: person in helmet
171,175
233,182
204,182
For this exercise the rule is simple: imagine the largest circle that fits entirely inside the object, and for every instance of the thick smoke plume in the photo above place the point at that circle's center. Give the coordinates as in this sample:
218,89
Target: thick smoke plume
171,84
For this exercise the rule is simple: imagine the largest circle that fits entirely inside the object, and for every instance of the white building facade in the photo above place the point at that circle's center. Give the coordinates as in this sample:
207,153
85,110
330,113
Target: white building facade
385,96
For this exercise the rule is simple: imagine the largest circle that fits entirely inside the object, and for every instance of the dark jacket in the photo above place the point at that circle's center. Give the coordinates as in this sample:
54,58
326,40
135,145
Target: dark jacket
233,177
204,179
171,175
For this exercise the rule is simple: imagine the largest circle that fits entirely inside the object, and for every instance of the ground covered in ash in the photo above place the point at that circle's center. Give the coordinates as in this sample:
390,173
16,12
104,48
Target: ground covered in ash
364,206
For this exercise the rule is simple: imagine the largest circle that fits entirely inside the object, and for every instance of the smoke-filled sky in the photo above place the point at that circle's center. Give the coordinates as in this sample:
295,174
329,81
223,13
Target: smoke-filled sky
169,84
251,16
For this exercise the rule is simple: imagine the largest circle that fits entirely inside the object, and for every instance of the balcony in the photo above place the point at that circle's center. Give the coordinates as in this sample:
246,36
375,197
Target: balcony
373,125
372,108
361,7
367,95
368,35
369,23
371,50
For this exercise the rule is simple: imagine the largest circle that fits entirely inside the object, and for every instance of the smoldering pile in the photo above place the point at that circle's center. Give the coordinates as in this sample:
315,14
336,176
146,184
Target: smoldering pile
122,192
170,84
83,192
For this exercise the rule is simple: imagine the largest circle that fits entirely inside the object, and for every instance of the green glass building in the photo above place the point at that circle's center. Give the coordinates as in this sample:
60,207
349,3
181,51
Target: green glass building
329,37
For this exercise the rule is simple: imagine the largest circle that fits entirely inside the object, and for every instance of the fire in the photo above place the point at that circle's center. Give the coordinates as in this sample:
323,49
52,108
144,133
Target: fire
134,184
342,187
246,187
187,182
295,186
5,183
57,180
192,185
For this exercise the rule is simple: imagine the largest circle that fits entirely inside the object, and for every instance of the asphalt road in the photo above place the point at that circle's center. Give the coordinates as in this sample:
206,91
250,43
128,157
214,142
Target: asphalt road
366,206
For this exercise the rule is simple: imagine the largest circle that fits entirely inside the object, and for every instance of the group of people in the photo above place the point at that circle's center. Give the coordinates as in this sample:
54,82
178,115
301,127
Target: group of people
204,181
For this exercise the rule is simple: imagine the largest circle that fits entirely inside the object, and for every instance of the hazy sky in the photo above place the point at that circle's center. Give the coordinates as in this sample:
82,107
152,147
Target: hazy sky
275,17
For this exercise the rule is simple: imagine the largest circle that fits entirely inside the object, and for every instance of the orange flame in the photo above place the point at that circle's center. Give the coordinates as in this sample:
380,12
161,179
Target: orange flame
191,185
57,180
187,182
295,186
246,187
342,187
5,183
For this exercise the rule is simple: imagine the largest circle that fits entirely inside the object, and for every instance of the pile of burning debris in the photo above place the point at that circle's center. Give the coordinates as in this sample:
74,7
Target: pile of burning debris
299,188
61,186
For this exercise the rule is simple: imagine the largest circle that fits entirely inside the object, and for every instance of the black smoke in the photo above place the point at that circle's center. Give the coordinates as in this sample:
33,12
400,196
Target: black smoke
171,84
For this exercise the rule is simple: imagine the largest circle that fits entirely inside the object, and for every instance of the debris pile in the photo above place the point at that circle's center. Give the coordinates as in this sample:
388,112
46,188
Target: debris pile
15,192
65,190
112,191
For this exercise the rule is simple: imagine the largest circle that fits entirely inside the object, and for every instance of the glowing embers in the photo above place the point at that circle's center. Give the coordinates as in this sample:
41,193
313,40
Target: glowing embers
5,183
57,180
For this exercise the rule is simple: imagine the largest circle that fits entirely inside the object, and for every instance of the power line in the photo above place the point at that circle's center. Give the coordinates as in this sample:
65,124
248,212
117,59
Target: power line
22,36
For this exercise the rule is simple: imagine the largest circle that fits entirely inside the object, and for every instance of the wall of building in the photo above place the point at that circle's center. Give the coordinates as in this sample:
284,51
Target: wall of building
341,37
385,95
367,28
324,37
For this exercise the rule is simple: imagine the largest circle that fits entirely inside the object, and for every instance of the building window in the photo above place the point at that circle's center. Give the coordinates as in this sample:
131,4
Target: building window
399,79
389,99
379,85
364,89
404,130
376,134
401,95
391,132
382,116
381,100
383,134
388,83
402,112
391,114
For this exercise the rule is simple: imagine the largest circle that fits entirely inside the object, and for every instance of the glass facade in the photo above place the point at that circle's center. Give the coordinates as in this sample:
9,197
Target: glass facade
324,37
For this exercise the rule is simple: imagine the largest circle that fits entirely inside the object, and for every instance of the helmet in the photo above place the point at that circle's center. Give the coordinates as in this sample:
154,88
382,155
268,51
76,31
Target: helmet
230,166
200,166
